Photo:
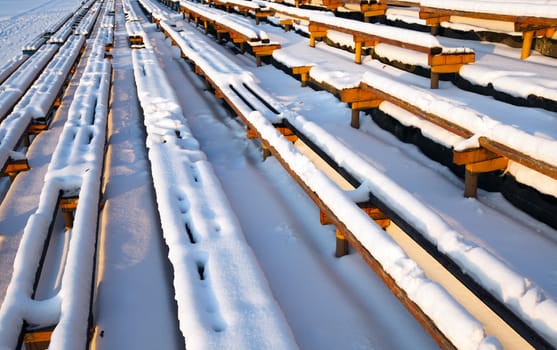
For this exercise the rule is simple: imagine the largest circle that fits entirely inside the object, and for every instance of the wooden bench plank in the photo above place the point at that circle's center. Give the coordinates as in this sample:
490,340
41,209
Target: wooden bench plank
529,26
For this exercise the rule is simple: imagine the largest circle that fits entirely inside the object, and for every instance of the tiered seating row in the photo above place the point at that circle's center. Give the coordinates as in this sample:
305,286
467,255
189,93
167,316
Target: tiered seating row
440,59
530,19
11,66
72,184
487,150
259,111
239,30
35,110
259,10
197,242
15,86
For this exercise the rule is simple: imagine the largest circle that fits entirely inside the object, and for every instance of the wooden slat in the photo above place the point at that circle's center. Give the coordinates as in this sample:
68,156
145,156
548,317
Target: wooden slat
446,68
487,166
13,167
356,94
473,156
519,157
426,12
435,119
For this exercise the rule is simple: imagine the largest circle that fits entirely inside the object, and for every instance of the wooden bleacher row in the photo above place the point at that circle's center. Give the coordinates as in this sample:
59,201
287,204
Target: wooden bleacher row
18,82
490,156
15,85
440,59
11,66
34,111
191,181
243,95
240,32
107,27
529,25
245,7
134,29
288,15
441,62
72,186
88,18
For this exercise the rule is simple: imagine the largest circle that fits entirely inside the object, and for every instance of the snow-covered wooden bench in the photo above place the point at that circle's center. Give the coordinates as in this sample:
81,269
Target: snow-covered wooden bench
129,12
85,25
291,15
15,86
483,149
536,18
440,59
259,10
32,46
172,4
202,246
531,18
240,31
11,66
152,10
74,174
107,27
62,35
135,34
34,111
52,29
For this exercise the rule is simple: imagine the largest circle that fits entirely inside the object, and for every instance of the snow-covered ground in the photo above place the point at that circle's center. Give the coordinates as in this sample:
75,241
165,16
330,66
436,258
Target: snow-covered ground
327,302
23,20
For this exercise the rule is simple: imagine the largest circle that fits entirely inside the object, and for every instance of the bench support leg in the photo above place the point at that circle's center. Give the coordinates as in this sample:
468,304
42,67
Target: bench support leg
26,139
355,121
311,40
434,84
358,53
266,152
68,218
527,38
470,184
304,77
342,245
